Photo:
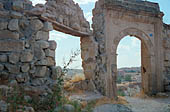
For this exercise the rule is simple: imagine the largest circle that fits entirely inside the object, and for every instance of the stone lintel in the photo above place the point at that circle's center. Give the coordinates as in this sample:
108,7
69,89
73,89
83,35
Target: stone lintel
65,29
11,45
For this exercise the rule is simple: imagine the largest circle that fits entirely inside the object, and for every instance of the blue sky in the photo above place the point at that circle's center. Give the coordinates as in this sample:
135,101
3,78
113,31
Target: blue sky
129,47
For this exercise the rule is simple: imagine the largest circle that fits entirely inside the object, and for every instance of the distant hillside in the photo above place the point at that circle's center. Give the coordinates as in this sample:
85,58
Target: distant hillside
130,69
75,71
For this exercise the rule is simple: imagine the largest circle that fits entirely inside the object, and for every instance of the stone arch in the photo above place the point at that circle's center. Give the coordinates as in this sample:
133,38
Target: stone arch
147,57
136,33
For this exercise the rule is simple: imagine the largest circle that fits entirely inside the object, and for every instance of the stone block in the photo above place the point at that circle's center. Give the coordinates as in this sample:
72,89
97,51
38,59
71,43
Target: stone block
48,26
53,45
43,44
1,5
3,106
42,62
167,55
3,58
25,68
4,75
42,35
1,67
50,53
26,56
17,5
14,57
16,15
56,72
4,14
11,45
36,25
38,81
39,53
40,71
89,74
76,26
13,68
22,78
50,61
3,25
13,25
8,35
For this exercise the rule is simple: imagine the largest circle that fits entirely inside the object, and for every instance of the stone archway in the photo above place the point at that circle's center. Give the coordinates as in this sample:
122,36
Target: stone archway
114,19
147,55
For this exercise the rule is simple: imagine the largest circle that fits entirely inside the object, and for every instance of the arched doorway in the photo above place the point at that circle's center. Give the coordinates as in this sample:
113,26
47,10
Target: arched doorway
129,66
147,58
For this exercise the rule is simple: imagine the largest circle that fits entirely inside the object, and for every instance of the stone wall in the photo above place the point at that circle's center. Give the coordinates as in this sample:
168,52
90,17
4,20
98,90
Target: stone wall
27,57
99,36
166,39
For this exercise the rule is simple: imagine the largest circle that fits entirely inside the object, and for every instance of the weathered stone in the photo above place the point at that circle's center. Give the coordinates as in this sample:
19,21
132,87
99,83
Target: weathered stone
14,57
16,15
50,53
42,62
39,53
40,71
37,11
13,25
26,56
3,58
5,34
5,90
3,106
1,6
13,83
25,68
4,75
50,61
48,26
56,72
24,23
4,14
3,25
43,44
1,67
75,26
27,98
42,35
53,45
17,5
69,108
38,82
8,45
13,68
36,24
28,109
22,78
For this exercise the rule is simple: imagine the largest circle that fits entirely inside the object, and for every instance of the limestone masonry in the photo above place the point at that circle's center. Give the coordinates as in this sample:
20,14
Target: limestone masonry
27,57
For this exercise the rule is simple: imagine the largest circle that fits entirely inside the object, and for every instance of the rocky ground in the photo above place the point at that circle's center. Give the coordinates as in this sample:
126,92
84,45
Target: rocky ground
134,104
149,104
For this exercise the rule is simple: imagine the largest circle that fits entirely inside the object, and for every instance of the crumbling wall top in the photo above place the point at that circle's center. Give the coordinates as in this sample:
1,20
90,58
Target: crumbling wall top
134,5
65,15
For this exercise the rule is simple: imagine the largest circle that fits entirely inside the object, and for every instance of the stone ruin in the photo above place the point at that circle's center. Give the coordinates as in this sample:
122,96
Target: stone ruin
27,57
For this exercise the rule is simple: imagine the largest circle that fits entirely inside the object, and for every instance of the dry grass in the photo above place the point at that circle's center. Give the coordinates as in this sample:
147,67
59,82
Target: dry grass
77,78
105,100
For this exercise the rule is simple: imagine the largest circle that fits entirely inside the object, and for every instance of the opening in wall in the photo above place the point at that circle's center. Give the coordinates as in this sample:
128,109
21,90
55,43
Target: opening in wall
68,49
129,66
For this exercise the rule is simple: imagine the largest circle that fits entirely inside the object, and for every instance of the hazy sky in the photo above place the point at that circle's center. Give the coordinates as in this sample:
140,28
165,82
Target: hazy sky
128,49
